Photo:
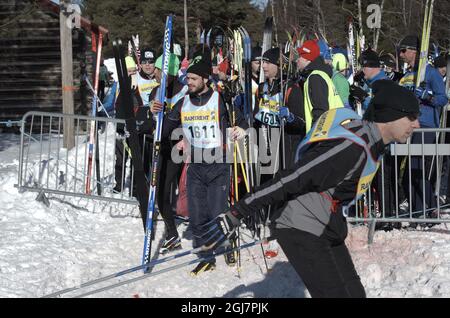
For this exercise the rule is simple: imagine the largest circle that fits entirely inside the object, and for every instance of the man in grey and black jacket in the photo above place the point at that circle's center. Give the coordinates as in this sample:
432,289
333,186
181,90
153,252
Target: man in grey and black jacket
336,163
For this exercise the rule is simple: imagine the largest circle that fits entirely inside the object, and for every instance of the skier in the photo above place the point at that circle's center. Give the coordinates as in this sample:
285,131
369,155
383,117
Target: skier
146,76
103,80
168,171
432,97
335,164
122,151
325,52
340,70
204,118
440,63
319,92
256,66
371,69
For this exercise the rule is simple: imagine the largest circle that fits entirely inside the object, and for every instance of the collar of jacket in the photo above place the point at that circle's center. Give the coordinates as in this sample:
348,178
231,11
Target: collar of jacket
375,138
201,99
320,65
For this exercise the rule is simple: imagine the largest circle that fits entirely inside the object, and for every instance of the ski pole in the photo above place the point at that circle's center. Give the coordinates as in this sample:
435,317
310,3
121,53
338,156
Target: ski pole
127,271
94,93
174,267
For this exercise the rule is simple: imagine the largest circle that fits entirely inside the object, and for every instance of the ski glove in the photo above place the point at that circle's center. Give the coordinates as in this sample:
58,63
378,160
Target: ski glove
358,93
237,133
223,229
286,114
359,78
422,93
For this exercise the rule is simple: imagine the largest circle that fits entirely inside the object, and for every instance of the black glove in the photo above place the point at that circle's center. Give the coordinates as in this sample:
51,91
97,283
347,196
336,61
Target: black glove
359,78
222,229
358,94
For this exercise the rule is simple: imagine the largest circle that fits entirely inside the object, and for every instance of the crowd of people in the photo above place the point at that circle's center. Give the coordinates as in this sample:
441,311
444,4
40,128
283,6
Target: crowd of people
323,154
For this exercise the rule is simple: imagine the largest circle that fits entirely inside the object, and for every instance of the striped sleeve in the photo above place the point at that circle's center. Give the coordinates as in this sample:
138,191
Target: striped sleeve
322,168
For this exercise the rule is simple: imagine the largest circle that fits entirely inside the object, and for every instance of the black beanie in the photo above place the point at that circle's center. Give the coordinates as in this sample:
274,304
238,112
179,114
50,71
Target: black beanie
272,56
256,53
147,55
440,61
391,102
369,58
388,60
201,65
410,42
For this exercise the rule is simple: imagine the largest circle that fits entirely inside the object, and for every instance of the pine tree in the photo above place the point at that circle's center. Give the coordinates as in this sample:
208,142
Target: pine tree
126,17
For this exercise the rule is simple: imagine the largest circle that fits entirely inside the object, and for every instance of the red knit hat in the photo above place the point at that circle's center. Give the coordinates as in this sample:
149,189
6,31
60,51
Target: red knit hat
309,50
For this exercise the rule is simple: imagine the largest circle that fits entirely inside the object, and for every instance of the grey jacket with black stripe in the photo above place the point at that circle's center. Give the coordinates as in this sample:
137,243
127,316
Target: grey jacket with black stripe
329,171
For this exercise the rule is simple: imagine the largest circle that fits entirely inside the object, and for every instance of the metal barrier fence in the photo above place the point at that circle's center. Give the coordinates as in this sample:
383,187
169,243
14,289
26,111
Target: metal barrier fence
396,193
411,184
45,166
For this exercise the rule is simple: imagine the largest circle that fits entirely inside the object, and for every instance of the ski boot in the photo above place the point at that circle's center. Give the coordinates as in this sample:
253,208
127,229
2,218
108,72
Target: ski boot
231,258
171,244
203,266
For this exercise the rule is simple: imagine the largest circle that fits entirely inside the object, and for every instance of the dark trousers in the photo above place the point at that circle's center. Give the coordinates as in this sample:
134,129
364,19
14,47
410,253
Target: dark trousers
208,187
384,185
326,268
120,163
169,173
122,155
418,173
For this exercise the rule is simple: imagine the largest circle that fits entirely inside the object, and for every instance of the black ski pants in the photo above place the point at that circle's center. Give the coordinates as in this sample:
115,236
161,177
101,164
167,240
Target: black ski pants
169,174
325,267
208,187
418,174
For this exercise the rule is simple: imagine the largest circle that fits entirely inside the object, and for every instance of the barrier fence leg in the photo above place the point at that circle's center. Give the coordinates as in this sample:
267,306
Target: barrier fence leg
371,231
41,197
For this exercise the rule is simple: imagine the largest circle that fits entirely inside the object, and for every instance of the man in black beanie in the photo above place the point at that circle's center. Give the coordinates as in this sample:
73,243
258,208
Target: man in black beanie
269,112
335,165
256,68
204,118
371,68
440,63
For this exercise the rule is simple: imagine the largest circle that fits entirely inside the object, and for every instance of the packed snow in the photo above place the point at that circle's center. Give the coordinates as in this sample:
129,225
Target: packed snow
47,249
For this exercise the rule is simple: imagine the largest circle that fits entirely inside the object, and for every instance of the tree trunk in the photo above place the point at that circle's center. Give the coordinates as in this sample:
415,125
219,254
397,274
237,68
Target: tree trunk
186,32
274,23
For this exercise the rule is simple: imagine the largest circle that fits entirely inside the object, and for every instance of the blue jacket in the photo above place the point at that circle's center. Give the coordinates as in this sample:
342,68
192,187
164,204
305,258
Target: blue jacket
368,87
429,109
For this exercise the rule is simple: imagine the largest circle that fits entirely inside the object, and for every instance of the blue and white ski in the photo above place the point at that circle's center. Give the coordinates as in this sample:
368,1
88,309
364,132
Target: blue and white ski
157,144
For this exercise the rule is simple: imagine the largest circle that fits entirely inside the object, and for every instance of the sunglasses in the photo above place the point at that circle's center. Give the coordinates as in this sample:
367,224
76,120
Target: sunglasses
147,62
402,50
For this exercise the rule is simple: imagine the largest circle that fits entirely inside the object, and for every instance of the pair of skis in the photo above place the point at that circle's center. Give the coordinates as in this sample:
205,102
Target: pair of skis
145,195
153,263
93,130
127,114
425,42
157,144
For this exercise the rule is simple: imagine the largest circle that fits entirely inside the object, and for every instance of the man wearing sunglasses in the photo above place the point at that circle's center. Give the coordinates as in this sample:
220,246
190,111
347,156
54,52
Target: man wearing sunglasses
146,81
431,96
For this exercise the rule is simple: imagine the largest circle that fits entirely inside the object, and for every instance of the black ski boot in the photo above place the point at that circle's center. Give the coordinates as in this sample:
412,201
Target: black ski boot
172,243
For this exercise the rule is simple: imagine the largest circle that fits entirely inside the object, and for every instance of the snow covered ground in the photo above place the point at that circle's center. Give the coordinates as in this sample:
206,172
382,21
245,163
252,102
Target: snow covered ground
46,249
